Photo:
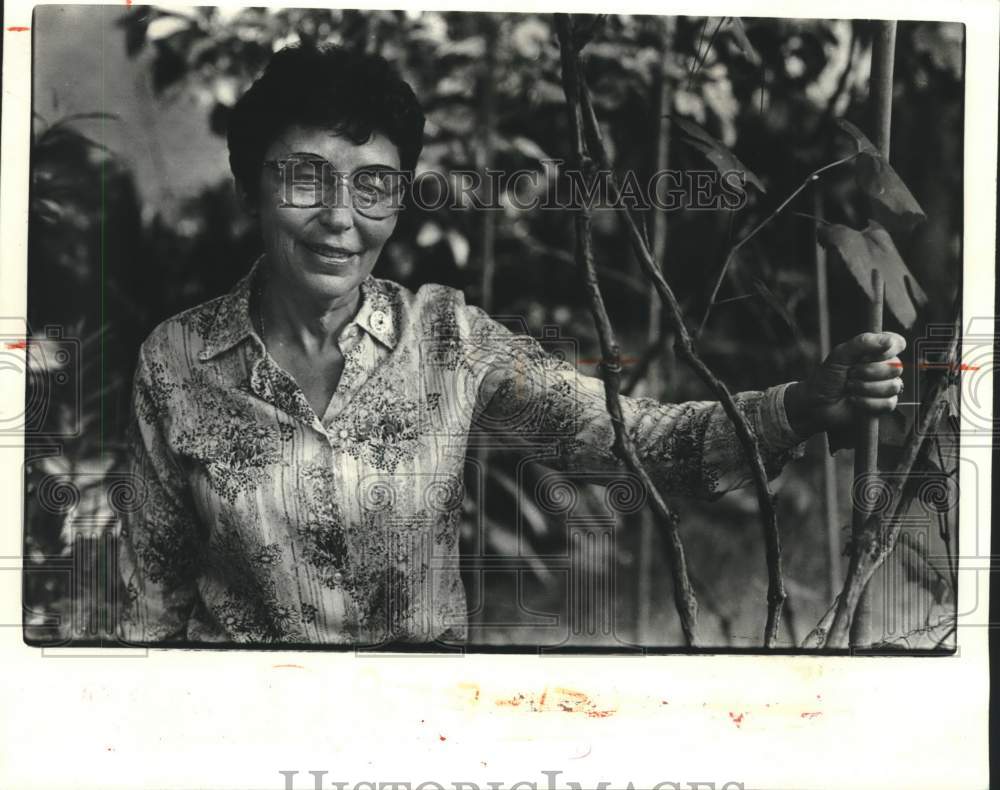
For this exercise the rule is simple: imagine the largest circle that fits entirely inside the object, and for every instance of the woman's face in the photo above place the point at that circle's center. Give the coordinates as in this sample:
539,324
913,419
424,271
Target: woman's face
326,251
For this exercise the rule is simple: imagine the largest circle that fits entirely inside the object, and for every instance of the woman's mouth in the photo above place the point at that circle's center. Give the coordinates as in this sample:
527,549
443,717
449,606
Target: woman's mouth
331,253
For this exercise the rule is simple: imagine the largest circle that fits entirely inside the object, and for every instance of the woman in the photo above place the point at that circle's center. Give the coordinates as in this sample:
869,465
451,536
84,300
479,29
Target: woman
301,439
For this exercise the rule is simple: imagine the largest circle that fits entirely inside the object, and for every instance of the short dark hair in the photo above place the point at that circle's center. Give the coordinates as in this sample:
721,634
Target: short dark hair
350,92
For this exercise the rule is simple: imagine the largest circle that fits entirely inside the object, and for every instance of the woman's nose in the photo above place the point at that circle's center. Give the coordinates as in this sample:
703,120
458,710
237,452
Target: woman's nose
337,218
337,212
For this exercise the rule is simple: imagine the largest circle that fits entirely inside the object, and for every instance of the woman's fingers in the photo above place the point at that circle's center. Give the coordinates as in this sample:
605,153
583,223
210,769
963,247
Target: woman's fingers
877,371
873,405
875,389
868,347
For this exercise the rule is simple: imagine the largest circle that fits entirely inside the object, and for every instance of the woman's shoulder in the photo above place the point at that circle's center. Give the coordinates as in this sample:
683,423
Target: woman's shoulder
430,301
190,330
425,292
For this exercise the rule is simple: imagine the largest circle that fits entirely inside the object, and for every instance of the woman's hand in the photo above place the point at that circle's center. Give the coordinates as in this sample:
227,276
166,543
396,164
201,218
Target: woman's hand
861,377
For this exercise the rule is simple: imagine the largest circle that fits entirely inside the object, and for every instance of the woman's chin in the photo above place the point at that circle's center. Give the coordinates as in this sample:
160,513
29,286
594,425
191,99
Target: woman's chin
330,279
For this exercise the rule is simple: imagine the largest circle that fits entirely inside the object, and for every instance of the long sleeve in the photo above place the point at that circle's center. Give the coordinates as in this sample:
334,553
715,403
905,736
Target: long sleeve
528,395
159,547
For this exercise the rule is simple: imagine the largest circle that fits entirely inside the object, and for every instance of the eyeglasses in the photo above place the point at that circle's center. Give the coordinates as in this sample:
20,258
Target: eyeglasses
309,181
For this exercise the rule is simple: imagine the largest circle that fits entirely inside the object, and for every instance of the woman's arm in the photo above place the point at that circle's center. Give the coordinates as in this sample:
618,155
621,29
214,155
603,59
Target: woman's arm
689,448
160,545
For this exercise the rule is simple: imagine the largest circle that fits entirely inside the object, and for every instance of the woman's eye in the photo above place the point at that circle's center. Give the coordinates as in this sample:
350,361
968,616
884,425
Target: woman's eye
307,190
373,184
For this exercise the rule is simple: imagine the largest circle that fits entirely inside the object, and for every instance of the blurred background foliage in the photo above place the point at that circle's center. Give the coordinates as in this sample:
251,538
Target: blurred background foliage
128,249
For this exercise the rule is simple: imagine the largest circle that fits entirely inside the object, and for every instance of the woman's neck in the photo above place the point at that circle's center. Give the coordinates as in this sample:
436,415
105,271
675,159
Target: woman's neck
302,320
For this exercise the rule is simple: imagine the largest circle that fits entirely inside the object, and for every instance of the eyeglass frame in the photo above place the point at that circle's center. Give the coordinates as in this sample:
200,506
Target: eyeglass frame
281,167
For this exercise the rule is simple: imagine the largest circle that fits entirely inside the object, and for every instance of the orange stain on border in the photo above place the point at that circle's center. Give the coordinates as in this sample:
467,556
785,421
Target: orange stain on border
287,666
17,344
558,700
470,688
16,29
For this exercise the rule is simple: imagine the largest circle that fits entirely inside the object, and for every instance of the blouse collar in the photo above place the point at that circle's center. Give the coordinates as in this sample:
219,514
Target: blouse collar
378,314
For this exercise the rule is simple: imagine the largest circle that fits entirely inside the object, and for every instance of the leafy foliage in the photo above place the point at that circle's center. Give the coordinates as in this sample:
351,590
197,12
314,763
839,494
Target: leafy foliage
872,249
892,204
720,156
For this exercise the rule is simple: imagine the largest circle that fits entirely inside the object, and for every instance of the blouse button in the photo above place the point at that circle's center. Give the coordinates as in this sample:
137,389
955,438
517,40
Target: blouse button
343,433
338,577
378,320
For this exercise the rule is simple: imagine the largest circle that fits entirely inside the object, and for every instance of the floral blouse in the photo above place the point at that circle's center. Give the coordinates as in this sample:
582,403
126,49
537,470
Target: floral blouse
260,521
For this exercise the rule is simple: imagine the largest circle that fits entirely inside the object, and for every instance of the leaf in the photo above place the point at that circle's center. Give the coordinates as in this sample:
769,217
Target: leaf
528,148
502,539
471,48
528,38
459,248
717,153
739,31
892,203
778,306
226,90
166,26
863,143
863,252
429,234
530,511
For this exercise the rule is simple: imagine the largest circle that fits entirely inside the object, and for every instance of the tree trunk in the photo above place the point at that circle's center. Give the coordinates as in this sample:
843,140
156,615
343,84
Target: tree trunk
866,455
830,499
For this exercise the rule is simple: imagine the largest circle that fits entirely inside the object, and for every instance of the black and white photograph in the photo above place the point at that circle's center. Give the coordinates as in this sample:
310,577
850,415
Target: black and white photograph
497,397
381,329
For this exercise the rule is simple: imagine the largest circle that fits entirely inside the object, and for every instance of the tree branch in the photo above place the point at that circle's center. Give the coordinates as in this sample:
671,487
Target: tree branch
610,367
877,539
686,350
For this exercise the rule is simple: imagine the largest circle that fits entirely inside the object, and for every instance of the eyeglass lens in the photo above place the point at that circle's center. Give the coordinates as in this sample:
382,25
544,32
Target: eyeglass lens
309,182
